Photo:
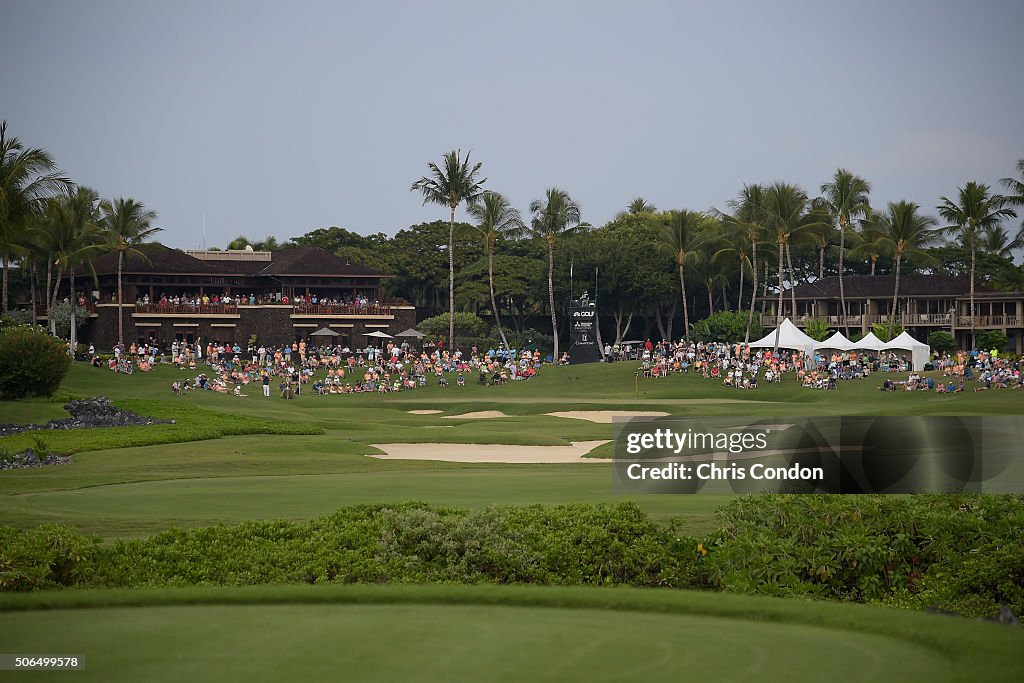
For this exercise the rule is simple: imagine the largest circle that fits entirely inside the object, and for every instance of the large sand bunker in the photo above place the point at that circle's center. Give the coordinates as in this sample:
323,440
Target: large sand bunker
425,412
479,415
606,416
473,452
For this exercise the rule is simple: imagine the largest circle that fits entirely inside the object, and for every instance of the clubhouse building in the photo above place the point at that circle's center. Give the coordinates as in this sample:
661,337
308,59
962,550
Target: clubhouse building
926,303
230,296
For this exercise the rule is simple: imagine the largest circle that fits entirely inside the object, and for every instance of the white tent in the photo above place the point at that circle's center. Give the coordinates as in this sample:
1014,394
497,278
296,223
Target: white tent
918,352
869,341
789,337
836,341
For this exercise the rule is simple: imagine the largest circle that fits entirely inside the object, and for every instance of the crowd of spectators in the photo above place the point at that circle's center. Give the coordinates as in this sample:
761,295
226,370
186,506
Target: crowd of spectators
195,300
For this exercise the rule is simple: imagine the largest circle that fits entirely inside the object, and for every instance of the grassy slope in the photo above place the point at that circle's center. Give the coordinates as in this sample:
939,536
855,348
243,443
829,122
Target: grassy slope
497,633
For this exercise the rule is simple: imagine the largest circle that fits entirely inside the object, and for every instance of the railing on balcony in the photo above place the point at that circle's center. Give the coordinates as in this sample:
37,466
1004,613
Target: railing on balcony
187,309
989,321
339,309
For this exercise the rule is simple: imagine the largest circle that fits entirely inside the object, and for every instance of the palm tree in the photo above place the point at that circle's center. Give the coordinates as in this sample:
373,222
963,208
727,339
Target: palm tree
450,186
496,218
903,231
640,205
785,209
558,214
126,224
867,243
74,220
846,197
975,211
1016,196
683,238
748,212
28,177
996,240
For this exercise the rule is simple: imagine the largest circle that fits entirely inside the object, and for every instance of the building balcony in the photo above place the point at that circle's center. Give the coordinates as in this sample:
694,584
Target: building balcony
185,310
341,310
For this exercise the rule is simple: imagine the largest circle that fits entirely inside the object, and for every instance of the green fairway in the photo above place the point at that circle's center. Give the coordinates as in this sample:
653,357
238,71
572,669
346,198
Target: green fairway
458,633
118,492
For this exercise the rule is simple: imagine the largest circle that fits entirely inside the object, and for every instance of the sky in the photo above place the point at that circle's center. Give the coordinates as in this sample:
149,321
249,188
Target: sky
263,118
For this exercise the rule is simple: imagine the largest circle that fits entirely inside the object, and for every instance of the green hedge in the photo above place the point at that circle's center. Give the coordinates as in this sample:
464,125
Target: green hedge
959,553
32,363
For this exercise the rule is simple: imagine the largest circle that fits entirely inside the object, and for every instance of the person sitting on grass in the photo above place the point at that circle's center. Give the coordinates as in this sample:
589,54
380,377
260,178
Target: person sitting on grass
442,381
238,390
461,380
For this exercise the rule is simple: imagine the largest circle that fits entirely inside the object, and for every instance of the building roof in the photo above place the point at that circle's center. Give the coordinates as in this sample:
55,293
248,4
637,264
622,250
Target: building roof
286,262
881,286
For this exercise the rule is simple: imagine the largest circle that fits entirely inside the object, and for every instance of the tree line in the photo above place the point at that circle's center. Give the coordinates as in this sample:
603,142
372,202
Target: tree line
47,223
645,265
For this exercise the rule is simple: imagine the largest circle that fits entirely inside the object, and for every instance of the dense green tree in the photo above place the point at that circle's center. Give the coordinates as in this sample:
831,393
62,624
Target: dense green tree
846,197
126,224
556,215
975,210
1015,188
28,179
454,182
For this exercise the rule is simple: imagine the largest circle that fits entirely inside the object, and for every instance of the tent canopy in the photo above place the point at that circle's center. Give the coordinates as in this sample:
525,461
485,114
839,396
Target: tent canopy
378,334
324,332
869,341
789,337
919,352
410,333
836,341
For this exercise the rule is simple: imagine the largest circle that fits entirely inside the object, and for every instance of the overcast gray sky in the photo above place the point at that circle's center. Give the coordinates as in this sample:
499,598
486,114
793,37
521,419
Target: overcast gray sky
278,118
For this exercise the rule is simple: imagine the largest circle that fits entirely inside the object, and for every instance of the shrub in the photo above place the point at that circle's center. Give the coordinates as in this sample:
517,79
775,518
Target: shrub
941,342
466,325
881,330
987,340
726,326
817,329
49,557
32,363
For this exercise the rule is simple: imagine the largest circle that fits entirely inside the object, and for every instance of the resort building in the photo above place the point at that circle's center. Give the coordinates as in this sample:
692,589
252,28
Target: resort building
231,296
926,303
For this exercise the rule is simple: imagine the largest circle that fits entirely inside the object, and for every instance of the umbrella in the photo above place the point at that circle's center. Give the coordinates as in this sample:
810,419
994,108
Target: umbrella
631,342
378,334
324,332
410,333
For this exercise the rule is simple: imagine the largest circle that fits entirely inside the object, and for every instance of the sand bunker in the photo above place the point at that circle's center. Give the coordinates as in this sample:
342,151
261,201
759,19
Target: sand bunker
472,452
606,416
479,415
425,412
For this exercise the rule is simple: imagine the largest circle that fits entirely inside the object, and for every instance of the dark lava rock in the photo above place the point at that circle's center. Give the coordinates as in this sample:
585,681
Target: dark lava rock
29,458
85,413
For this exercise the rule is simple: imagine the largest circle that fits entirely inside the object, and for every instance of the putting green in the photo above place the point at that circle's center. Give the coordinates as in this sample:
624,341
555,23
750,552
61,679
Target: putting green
453,643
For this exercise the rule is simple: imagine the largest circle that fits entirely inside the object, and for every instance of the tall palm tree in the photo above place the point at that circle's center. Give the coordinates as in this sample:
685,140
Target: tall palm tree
28,178
683,238
904,232
450,184
846,197
74,220
496,218
748,213
785,209
126,224
974,211
557,214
